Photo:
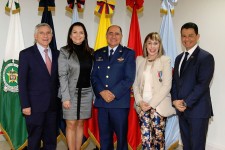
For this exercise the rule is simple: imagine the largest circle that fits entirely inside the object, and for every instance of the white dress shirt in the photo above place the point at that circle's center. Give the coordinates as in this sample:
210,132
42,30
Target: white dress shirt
190,51
41,50
148,81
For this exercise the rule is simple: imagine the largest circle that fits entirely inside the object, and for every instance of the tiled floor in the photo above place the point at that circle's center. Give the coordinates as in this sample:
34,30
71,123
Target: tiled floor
61,146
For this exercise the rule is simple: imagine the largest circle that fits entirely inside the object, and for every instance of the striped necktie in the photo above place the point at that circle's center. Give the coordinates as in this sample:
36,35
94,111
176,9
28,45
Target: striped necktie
48,61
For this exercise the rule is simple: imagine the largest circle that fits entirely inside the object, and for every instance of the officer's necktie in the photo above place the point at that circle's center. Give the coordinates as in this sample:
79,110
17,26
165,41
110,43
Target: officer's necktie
48,61
111,54
183,63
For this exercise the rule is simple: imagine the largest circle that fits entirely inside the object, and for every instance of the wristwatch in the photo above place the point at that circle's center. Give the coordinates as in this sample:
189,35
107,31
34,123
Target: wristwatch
185,104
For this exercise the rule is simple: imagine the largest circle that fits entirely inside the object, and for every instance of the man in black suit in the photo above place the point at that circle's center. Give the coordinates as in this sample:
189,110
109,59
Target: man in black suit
193,73
38,89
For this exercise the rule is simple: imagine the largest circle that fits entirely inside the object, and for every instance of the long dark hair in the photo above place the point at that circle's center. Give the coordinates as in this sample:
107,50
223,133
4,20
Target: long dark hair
70,44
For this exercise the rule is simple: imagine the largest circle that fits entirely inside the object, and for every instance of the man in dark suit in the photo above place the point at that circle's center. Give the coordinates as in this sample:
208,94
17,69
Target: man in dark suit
193,73
38,89
112,77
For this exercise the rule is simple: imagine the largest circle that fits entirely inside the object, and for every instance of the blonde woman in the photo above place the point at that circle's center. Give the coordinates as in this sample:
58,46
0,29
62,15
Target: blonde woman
152,92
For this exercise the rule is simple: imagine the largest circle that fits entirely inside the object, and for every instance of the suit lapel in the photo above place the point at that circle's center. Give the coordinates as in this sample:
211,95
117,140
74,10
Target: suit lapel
157,70
54,60
191,59
141,68
105,54
74,57
177,63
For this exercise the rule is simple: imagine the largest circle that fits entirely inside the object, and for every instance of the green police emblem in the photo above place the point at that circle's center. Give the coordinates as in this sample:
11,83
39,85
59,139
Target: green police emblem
10,76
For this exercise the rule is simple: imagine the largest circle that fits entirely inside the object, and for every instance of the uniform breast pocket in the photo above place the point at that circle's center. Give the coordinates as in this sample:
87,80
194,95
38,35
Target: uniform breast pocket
119,64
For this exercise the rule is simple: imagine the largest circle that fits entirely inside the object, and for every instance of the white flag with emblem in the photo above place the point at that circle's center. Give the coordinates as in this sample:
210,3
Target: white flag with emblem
12,121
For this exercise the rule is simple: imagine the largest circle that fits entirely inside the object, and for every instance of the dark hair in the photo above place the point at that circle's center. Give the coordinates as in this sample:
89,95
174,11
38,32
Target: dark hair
156,37
114,26
190,25
70,44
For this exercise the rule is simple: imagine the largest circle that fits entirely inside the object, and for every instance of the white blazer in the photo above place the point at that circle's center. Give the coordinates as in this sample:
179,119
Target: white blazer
161,98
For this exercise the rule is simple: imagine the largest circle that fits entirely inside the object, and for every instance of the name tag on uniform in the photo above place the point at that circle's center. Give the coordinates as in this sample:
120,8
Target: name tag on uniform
99,59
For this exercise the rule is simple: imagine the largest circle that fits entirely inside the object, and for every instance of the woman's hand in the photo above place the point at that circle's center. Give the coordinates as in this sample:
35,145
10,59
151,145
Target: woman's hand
67,104
144,106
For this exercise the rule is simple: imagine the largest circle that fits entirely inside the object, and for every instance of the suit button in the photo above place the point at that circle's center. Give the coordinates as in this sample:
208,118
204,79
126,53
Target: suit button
108,67
107,76
106,85
98,67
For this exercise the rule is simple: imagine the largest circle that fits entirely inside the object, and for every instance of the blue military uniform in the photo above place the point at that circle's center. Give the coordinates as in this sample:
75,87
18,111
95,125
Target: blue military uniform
117,75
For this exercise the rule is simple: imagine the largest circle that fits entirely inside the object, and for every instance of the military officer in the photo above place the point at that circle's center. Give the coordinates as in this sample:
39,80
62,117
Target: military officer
112,77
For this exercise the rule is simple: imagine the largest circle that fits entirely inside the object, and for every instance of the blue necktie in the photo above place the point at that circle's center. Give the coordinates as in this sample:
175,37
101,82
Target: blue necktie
183,63
111,54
